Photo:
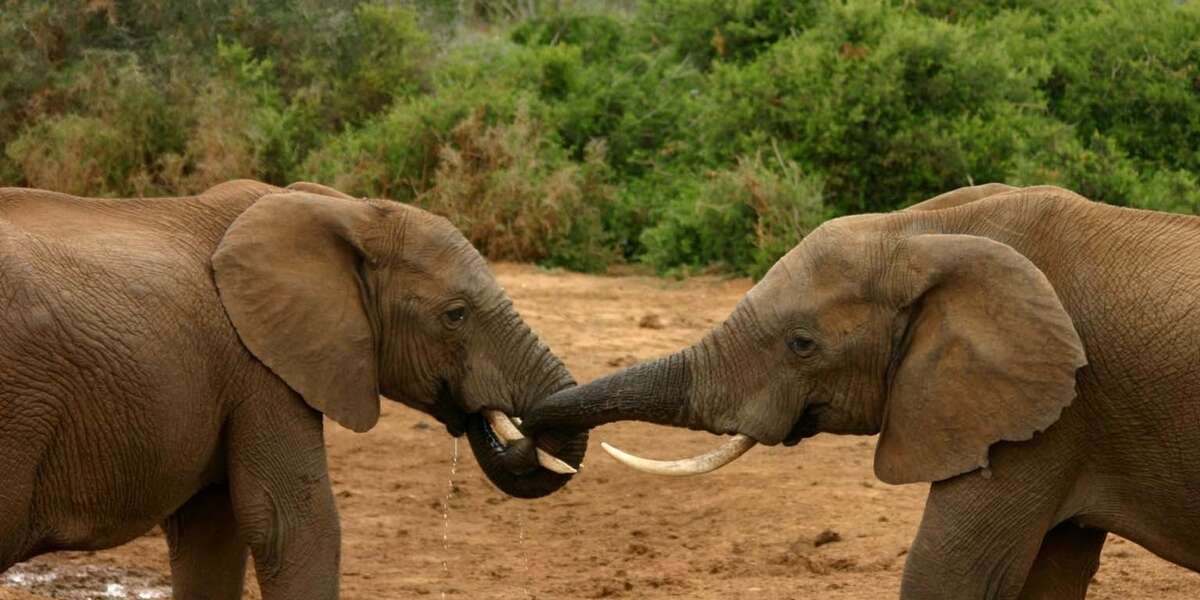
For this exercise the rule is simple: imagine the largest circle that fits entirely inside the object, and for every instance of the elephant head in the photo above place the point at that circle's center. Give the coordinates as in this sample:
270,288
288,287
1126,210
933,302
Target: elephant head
943,342
346,300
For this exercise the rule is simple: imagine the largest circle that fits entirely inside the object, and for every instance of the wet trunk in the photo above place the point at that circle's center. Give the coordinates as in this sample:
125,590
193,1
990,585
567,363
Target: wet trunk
513,467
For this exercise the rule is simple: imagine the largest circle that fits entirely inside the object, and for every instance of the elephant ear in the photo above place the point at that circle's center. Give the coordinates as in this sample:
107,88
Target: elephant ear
316,188
961,196
289,275
989,355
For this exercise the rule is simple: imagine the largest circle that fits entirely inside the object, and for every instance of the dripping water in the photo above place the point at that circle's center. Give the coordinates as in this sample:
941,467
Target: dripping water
446,514
524,554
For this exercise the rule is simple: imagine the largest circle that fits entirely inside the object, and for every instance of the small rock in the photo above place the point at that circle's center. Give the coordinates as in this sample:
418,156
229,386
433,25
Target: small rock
422,425
651,321
828,536
622,361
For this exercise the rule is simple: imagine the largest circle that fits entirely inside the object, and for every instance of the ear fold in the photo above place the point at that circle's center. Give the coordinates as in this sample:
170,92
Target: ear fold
989,355
961,196
288,273
316,188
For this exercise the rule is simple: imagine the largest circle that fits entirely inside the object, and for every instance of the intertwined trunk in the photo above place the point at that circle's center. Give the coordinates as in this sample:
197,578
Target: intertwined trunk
657,392
513,466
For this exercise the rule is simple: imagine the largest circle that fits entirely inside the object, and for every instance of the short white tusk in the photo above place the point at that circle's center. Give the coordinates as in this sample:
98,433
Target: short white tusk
705,463
508,432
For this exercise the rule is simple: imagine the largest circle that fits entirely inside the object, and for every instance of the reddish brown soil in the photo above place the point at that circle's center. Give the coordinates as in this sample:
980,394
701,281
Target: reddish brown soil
746,531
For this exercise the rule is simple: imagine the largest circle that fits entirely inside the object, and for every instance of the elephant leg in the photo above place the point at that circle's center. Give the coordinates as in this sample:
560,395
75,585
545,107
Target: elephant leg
979,536
1065,564
14,531
283,501
18,529
208,558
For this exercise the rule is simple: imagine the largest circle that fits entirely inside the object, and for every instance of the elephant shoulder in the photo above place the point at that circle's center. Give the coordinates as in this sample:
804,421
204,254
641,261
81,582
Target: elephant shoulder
16,262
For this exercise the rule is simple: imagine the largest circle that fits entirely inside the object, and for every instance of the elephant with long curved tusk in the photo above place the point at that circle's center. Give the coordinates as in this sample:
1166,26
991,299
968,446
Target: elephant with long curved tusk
169,361
1034,355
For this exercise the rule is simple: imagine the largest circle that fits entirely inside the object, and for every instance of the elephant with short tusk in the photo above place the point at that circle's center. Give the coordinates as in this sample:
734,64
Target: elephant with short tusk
168,361
1034,355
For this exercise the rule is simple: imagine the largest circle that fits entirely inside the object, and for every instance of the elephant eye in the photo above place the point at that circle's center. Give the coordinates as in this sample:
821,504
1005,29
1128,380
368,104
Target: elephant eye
802,344
455,316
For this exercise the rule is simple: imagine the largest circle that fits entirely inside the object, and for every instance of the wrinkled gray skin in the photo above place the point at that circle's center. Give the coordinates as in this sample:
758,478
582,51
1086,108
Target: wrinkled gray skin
169,360
1031,353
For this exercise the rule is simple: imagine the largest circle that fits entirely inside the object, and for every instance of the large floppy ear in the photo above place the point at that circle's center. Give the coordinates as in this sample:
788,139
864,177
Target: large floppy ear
289,272
989,354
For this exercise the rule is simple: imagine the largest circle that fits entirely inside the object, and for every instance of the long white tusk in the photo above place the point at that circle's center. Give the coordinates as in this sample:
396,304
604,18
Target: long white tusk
508,432
705,463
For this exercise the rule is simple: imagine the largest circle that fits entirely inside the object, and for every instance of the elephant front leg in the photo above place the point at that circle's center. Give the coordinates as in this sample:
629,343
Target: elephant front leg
208,557
1065,564
978,538
284,504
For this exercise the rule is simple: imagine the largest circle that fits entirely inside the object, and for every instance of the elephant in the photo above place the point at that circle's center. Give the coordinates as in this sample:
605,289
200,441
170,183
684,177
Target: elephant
1028,352
170,360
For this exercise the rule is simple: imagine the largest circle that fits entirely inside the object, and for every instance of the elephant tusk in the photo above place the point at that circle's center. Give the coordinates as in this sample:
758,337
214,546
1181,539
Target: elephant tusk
705,463
508,432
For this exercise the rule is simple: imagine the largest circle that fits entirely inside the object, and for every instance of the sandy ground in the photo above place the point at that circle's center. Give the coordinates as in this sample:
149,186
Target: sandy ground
747,531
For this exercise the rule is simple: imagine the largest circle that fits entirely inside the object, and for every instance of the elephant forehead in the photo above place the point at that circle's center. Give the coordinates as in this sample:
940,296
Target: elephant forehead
831,266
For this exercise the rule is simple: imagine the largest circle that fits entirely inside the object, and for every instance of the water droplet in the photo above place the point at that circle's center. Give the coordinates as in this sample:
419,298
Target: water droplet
446,514
524,554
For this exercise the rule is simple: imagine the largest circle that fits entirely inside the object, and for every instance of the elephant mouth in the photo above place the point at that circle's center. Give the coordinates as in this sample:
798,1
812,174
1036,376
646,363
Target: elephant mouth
500,433
517,465
448,411
806,425
503,435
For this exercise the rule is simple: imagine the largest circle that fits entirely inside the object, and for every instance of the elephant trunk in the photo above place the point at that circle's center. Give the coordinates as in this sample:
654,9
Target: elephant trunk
657,392
664,392
528,467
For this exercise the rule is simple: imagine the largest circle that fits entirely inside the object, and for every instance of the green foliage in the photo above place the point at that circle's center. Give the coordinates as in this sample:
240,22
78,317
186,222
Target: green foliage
868,89
116,145
706,31
682,134
746,217
1131,71
515,196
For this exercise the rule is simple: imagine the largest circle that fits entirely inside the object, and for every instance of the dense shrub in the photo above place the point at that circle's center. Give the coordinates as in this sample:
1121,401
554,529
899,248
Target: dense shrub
684,134
516,197
745,217
885,103
706,31
1131,71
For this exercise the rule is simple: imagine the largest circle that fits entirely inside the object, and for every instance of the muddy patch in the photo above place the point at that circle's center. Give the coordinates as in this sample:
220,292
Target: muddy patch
86,582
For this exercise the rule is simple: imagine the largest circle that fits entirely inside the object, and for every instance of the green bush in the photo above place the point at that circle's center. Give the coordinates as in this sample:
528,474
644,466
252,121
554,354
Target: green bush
516,197
708,31
744,218
1131,71
880,101
396,154
75,155
113,146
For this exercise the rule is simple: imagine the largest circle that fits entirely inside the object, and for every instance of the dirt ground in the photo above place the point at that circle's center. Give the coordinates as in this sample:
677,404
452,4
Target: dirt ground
746,531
